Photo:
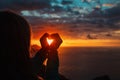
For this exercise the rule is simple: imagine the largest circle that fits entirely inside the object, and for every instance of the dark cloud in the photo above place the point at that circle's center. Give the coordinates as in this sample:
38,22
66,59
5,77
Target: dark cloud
90,37
114,11
67,2
79,30
67,23
24,4
109,35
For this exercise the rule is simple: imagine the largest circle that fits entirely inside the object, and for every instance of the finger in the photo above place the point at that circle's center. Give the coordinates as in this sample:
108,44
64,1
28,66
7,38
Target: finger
43,40
57,40
44,36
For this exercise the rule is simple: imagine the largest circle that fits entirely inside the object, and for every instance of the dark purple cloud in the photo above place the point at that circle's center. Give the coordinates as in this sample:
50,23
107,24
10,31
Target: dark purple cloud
78,30
114,12
24,4
67,23
90,37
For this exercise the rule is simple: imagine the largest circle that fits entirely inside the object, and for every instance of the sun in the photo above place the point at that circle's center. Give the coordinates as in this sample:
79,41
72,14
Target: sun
49,41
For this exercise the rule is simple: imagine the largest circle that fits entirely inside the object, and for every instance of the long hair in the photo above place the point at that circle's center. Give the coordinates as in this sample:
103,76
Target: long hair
15,35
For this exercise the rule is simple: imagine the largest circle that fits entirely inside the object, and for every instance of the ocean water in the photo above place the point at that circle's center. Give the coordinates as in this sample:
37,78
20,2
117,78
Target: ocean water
86,63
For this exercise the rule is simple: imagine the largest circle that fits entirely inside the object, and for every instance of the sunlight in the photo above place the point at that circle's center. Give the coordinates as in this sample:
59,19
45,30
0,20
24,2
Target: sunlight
49,41
83,43
90,43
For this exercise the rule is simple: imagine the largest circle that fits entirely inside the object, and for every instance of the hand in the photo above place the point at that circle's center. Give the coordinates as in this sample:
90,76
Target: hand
57,41
54,45
43,41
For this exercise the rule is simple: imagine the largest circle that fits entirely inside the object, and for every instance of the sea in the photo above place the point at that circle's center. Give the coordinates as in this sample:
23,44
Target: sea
87,63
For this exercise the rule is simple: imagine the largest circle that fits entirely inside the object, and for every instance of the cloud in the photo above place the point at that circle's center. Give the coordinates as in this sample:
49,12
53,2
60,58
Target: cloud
109,35
90,37
24,4
44,18
114,11
109,5
71,30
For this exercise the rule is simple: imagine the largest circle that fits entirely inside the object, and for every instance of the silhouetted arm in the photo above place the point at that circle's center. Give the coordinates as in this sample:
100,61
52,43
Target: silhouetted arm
52,68
38,61
50,72
40,57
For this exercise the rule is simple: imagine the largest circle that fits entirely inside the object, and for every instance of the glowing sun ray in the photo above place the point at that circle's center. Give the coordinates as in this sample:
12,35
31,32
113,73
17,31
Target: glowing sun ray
49,41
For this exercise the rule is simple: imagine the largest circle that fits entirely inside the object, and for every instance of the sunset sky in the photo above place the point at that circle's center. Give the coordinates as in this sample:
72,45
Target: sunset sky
79,22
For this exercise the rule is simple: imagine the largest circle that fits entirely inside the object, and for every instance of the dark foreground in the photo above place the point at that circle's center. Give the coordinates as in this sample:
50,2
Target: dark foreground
89,63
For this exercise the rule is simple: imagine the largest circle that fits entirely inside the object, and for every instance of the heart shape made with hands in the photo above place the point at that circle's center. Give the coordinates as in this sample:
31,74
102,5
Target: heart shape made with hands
51,40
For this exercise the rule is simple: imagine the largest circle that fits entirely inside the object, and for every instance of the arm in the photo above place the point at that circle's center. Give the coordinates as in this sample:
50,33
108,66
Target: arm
40,57
38,61
52,70
50,52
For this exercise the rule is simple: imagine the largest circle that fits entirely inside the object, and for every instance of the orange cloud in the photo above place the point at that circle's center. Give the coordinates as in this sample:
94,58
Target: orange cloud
109,5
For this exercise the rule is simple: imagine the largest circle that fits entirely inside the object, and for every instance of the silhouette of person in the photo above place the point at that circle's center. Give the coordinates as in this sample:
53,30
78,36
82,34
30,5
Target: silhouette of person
15,46
50,71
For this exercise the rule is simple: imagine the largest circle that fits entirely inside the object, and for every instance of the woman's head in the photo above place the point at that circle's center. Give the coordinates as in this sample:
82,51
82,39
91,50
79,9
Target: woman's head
15,30
15,42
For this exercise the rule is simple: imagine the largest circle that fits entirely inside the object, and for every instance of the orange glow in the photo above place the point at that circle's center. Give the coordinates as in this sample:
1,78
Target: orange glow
85,43
90,43
109,5
49,41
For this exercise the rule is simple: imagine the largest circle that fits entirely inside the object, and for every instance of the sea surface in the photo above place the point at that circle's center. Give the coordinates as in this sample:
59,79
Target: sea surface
86,63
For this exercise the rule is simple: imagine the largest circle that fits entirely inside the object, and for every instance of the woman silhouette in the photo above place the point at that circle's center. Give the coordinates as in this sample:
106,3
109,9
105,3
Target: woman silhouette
15,46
